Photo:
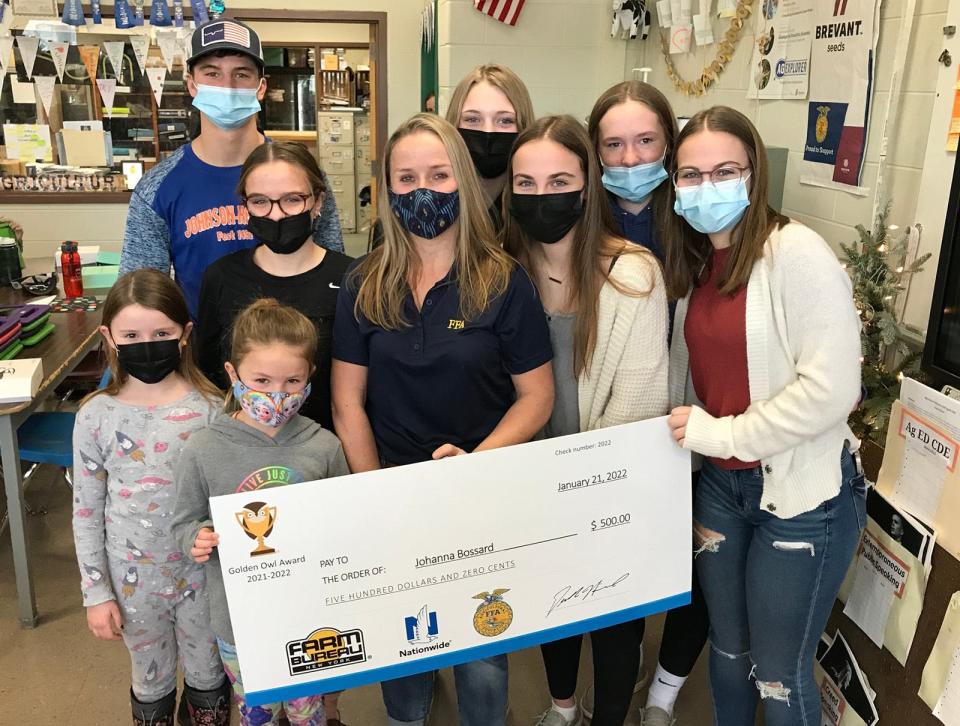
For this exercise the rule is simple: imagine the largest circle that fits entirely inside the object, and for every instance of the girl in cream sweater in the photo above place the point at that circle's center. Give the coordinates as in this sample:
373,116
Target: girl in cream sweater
606,307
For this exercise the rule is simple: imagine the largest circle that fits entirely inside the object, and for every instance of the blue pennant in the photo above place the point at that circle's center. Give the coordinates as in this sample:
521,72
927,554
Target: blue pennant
159,13
95,12
123,14
73,13
178,13
199,11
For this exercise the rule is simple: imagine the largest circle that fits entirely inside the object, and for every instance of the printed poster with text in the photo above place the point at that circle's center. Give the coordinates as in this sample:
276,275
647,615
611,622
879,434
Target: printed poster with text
841,88
781,55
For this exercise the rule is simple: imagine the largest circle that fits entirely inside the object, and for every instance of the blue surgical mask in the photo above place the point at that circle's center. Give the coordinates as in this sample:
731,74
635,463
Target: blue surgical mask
711,208
228,108
425,212
634,183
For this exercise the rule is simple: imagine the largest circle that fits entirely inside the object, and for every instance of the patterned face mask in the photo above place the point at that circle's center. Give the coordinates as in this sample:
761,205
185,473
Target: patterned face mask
272,408
426,213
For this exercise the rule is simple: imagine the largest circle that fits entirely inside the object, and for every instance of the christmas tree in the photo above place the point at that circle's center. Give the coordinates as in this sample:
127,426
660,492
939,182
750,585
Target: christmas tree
878,268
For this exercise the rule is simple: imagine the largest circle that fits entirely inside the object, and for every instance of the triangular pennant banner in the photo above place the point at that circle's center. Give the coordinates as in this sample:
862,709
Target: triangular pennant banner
141,45
114,50
199,11
95,12
108,88
169,43
6,48
186,42
157,76
90,54
28,52
58,51
73,13
178,13
44,86
159,13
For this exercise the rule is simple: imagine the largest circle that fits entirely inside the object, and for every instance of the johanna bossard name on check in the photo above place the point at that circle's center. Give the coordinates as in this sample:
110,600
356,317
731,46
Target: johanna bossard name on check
343,582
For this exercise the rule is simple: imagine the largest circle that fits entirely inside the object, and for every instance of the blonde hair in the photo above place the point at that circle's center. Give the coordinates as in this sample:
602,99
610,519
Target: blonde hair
481,267
153,290
267,322
499,77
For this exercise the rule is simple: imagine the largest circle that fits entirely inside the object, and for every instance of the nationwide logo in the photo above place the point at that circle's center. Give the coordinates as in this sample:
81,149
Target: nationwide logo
325,648
786,67
422,633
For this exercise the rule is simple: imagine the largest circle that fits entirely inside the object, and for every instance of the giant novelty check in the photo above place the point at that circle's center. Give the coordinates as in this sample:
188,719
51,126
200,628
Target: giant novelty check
348,581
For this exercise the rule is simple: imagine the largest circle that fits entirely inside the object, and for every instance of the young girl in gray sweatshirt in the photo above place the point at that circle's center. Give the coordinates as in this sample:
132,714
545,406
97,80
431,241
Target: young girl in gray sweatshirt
265,443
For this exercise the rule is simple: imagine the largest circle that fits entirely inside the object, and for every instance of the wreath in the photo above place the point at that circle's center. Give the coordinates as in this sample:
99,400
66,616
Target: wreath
725,51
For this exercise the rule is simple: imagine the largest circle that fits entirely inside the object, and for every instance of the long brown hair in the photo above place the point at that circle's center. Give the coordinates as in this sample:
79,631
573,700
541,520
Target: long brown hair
482,269
688,250
153,290
267,322
595,239
499,77
653,99
292,153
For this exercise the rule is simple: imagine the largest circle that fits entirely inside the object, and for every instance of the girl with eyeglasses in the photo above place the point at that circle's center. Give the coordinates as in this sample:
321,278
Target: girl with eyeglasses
764,370
282,190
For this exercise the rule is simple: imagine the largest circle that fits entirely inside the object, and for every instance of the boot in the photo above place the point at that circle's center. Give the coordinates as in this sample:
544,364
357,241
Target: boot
208,708
158,713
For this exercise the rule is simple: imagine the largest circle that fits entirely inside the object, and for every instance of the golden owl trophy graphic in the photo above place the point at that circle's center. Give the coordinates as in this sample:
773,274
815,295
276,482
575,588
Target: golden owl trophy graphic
257,521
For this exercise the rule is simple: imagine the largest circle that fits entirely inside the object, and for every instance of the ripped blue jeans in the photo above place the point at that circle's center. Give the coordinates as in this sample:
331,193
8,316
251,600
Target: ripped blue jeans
770,584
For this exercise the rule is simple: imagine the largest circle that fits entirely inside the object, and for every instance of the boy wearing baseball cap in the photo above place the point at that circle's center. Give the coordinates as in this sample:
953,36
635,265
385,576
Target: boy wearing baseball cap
185,213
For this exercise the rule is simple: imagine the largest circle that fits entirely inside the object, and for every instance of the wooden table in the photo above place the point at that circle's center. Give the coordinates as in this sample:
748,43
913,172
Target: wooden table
76,334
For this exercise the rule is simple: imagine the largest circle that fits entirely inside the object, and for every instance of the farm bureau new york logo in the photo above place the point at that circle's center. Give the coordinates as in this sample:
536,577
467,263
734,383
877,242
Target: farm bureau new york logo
325,648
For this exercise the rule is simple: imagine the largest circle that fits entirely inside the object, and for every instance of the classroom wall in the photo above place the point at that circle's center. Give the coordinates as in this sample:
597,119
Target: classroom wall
46,225
561,48
783,123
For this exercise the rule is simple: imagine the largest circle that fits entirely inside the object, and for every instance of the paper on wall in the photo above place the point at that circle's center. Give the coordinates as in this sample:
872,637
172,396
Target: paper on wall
920,471
726,8
28,142
703,30
664,13
872,595
6,48
45,86
680,37
28,46
940,683
22,91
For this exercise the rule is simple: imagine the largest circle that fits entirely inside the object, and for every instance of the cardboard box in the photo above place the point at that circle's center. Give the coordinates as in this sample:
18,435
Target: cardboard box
12,167
19,379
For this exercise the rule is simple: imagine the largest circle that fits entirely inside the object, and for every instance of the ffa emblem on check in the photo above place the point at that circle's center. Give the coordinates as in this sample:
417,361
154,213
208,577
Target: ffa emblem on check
493,615
257,521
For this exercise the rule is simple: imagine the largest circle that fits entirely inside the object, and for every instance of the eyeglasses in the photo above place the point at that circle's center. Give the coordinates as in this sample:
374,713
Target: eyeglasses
689,176
260,205
42,284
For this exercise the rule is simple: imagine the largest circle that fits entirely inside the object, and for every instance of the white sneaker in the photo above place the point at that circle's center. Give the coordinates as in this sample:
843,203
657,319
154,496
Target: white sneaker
655,716
551,717
587,699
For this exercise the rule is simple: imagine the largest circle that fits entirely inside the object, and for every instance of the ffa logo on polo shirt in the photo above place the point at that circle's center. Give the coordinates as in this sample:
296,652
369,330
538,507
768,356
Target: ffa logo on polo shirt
455,325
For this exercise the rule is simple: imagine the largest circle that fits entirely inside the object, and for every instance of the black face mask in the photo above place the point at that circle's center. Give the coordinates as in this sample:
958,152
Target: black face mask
282,236
490,152
149,362
547,217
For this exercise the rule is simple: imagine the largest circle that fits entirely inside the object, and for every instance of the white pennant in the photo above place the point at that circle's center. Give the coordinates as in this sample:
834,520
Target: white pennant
107,88
44,86
58,51
157,76
114,51
141,44
6,48
28,52
168,41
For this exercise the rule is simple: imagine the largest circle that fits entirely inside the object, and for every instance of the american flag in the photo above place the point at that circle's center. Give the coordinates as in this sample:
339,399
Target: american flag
226,32
506,11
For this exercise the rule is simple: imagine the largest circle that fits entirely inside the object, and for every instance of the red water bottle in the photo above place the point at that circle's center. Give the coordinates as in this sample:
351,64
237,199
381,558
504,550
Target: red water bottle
70,269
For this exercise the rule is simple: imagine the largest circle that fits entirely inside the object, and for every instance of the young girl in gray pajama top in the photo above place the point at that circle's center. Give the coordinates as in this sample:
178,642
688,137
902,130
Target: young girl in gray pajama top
137,583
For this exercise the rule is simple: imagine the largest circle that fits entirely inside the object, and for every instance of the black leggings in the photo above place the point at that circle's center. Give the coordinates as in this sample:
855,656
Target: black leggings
686,628
616,658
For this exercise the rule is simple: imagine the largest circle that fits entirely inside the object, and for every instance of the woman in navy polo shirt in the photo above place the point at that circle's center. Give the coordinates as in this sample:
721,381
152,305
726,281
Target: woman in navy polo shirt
438,308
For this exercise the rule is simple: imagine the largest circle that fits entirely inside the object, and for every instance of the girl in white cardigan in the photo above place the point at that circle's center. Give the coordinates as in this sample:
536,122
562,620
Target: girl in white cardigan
764,370
606,306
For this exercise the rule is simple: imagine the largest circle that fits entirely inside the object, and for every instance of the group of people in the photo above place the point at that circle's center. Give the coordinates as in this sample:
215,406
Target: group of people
549,279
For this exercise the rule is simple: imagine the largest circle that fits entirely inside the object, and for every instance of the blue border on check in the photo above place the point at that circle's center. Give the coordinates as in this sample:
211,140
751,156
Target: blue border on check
465,655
